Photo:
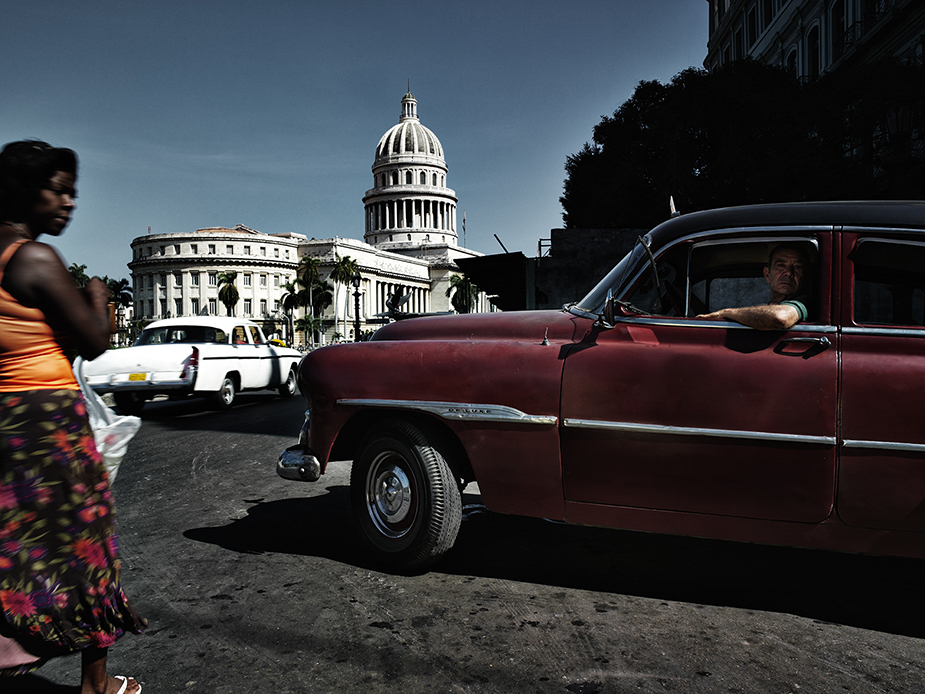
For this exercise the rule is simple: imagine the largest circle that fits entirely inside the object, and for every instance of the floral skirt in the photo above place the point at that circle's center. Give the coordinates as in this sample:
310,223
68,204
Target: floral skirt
60,587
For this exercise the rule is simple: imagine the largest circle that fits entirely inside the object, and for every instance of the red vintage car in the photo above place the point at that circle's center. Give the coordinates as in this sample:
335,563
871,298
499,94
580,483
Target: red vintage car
628,410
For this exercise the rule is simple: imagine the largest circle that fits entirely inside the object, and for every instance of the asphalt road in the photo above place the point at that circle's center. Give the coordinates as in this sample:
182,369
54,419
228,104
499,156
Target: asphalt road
256,584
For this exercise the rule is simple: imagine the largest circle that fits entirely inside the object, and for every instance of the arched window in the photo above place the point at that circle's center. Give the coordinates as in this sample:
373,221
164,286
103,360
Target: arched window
838,29
813,53
407,177
409,237
423,178
792,63
435,179
394,178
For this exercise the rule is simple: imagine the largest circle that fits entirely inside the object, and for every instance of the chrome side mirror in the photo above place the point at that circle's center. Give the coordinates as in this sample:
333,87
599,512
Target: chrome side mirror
607,319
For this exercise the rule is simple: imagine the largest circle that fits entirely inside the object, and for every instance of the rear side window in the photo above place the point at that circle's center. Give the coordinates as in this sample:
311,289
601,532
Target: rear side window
889,282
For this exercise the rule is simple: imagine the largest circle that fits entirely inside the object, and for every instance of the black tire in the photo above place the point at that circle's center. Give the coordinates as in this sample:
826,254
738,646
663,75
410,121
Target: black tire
129,403
225,396
288,387
406,499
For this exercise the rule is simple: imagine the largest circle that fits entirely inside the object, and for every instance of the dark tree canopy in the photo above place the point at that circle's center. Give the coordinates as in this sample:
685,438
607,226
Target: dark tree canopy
748,133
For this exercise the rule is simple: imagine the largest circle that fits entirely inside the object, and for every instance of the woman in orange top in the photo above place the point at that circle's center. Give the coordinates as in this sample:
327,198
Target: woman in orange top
60,586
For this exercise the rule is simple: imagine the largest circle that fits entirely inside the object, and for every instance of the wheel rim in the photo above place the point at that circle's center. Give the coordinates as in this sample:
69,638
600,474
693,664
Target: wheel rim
227,392
390,495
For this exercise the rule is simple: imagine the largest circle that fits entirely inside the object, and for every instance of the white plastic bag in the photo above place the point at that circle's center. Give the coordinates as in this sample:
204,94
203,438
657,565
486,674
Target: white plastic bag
111,431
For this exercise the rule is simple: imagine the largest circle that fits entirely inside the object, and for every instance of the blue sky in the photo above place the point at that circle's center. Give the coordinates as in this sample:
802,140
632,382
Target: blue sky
189,114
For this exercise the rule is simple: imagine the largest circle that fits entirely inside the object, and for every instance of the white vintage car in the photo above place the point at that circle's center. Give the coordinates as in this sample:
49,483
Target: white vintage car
200,356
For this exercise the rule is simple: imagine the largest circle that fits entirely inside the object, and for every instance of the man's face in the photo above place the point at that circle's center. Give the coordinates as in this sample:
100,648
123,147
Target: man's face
784,275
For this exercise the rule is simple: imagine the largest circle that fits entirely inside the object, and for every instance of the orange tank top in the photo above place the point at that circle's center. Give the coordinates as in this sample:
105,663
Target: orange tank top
30,356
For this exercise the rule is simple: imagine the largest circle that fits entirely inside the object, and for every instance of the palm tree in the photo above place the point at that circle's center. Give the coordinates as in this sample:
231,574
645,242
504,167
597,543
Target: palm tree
290,301
308,275
308,324
79,273
121,291
227,291
465,295
344,269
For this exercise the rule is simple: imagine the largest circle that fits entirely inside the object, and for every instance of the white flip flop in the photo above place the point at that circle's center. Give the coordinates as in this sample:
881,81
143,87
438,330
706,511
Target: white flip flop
125,684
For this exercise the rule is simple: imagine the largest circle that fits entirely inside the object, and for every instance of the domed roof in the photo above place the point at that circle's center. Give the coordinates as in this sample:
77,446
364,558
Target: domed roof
409,138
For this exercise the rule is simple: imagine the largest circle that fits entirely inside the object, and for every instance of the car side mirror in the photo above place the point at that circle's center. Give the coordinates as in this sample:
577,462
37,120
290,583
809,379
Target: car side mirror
608,315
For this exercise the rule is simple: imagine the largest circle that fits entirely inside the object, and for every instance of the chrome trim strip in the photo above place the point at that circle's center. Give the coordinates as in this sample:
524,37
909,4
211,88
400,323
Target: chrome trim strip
697,431
468,412
803,229
690,322
897,332
884,445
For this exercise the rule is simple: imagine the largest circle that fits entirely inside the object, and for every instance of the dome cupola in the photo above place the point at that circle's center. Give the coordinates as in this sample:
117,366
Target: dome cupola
409,203
409,138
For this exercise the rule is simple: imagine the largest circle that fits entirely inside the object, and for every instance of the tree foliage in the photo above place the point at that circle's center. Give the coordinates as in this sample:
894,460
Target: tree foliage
79,273
745,133
463,294
227,291
344,269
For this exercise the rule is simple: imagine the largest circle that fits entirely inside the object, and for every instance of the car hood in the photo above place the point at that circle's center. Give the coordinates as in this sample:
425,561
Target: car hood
531,326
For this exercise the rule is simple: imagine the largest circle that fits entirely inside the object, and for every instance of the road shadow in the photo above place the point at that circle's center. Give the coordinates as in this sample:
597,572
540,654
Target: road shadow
279,416
33,684
877,593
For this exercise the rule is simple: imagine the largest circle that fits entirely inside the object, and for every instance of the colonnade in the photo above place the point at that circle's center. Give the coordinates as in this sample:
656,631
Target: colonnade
411,214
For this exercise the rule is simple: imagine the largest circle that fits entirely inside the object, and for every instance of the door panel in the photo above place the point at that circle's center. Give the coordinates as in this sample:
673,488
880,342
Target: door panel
882,472
704,417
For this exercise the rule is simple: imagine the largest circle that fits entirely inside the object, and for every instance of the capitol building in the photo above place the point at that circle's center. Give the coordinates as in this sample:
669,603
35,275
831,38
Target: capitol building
409,250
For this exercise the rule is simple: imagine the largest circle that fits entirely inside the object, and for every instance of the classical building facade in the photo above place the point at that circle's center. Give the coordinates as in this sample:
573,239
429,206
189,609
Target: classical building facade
409,248
810,37
177,274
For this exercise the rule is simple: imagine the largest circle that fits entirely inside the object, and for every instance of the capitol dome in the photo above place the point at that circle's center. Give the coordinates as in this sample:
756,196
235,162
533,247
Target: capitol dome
409,203
409,138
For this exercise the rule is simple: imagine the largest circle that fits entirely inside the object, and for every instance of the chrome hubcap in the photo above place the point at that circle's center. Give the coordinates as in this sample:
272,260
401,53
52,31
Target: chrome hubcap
389,497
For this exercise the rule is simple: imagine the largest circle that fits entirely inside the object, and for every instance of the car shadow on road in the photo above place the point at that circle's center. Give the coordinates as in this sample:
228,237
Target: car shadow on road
878,593
201,415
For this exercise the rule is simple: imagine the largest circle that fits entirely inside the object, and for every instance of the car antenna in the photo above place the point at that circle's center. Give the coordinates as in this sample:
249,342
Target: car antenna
674,212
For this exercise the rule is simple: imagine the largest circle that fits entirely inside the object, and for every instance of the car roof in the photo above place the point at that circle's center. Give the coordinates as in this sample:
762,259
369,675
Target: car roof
882,214
222,323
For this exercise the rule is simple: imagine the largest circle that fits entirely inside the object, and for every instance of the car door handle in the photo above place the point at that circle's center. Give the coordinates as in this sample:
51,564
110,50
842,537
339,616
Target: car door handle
814,345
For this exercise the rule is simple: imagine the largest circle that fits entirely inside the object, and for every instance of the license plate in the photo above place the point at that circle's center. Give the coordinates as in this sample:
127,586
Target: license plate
138,377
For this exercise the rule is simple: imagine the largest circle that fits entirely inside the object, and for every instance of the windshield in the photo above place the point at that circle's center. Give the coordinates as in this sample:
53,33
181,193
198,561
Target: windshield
181,333
616,280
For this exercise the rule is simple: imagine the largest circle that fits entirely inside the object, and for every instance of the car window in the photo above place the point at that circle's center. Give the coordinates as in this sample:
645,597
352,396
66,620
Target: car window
707,275
661,290
239,337
889,282
256,337
730,274
189,334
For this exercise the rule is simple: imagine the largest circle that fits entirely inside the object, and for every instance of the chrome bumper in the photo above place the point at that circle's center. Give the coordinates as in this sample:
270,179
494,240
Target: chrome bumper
296,464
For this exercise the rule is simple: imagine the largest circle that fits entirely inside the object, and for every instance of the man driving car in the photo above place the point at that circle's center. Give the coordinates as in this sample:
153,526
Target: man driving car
786,307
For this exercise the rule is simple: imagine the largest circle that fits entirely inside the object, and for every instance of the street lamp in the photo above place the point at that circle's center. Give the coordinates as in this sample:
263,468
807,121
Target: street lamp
355,281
